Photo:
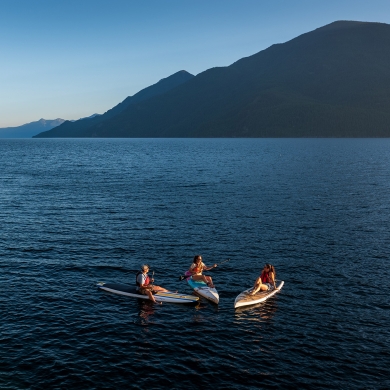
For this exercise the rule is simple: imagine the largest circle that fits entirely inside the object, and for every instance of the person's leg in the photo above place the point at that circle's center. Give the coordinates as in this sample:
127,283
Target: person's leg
255,289
203,278
255,286
148,292
158,288
200,278
209,281
260,287
150,295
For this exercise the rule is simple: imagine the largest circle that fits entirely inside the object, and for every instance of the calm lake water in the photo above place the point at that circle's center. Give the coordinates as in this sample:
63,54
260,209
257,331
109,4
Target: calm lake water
75,212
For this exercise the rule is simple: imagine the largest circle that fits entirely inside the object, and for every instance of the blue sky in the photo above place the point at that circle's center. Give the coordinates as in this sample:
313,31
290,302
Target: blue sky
69,59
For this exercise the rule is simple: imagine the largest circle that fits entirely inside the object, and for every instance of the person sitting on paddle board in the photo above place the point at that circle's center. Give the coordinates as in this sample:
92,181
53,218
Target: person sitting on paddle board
144,285
266,280
196,269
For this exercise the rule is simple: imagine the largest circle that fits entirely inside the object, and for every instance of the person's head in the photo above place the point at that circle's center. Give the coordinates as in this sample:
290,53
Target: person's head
144,267
269,268
197,259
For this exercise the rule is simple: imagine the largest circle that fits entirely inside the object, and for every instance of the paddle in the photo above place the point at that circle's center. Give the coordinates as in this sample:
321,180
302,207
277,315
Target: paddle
182,277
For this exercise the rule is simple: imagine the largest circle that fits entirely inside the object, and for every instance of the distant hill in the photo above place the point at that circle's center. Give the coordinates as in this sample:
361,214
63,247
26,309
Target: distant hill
331,82
30,129
78,128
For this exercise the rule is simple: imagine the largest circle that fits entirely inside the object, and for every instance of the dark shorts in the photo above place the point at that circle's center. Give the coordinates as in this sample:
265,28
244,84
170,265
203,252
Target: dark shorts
144,290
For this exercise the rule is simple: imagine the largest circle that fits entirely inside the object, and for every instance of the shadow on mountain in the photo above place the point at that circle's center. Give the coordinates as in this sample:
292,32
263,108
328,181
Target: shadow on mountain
331,82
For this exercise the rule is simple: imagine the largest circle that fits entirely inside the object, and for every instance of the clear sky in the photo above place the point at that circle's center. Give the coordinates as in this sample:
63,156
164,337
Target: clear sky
73,58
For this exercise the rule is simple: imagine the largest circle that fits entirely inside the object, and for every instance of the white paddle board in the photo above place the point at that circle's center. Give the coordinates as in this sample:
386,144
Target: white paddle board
203,290
245,299
129,291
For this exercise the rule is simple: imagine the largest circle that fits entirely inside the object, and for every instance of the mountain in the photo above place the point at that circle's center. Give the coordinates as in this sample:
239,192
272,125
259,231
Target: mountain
331,82
87,117
77,128
30,129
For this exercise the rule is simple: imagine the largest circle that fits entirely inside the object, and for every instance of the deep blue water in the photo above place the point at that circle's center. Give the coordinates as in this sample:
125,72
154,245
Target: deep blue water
75,212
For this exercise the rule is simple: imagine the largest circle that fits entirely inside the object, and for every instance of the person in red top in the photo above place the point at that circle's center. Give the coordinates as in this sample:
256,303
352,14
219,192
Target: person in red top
196,269
144,284
266,280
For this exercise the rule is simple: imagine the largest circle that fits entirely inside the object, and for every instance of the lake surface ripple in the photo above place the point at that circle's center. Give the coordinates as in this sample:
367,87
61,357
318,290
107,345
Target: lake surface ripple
75,212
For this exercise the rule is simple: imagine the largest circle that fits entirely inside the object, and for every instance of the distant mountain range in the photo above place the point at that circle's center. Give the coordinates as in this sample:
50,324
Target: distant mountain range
30,129
33,128
331,82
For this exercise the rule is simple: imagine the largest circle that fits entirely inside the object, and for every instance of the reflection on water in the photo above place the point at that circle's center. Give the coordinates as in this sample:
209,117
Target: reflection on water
199,305
198,319
261,312
75,212
146,311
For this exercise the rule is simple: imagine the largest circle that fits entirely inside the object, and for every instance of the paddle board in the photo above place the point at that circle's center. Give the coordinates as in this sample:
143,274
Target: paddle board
130,291
245,299
203,290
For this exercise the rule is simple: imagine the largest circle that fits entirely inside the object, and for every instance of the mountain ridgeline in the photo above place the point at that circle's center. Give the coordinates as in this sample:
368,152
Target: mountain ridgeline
90,127
331,82
28,130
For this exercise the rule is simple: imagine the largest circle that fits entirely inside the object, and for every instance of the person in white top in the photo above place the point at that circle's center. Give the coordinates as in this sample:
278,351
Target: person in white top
197,268
144,284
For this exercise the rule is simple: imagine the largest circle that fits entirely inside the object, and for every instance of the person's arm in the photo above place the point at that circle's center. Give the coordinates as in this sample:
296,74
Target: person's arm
140,280
273,280
209,268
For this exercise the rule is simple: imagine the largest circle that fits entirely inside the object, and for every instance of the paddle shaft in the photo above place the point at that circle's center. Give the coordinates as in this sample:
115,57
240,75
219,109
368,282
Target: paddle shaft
224,262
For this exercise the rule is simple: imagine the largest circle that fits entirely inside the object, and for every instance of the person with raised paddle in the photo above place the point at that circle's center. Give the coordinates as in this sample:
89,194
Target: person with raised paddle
144,284
196,271
266,280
